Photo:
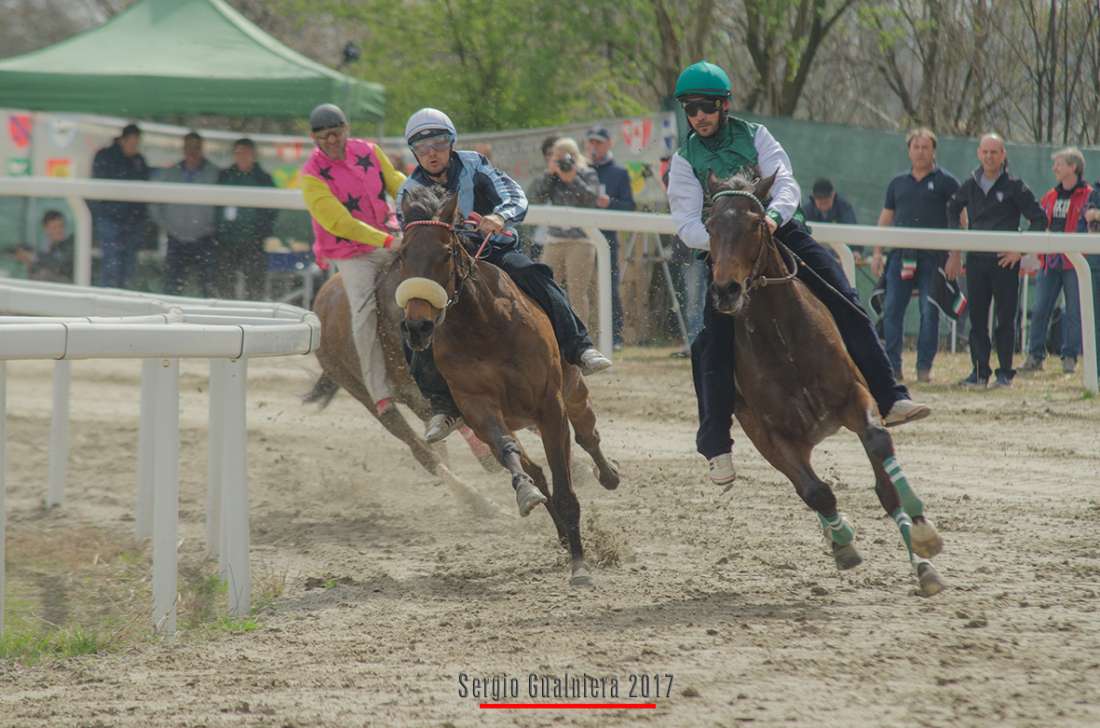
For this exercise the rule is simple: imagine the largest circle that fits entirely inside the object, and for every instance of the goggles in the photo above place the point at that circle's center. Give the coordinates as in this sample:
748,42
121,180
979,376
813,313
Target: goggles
438,143
707,106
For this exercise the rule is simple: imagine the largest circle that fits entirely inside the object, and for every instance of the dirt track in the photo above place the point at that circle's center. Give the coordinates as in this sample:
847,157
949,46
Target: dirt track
733,595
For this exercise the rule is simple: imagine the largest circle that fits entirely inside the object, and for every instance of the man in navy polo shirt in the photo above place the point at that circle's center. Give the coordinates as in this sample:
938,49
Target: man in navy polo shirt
917,198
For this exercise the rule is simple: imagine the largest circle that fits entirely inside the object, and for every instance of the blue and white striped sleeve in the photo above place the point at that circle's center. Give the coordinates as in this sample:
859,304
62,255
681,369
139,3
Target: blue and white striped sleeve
512,201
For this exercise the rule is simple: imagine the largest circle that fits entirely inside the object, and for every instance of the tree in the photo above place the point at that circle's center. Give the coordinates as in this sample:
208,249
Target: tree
782,39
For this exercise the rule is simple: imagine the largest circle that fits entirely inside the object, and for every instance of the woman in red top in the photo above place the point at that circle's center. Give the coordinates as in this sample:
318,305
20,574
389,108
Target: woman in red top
1064,204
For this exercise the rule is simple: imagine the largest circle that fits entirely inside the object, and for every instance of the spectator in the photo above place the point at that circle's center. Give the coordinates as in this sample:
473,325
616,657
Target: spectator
538,241
572,183
120,226
917,198
241,230
993,200
190,228
825,205
614,193
55,263
1064,205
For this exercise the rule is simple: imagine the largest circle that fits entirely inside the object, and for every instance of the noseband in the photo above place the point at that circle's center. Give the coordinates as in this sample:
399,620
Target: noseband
757,279
458,278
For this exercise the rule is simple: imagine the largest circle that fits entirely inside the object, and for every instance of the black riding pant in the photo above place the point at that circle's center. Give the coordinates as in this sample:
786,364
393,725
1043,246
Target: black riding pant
712,352
537,281
986,281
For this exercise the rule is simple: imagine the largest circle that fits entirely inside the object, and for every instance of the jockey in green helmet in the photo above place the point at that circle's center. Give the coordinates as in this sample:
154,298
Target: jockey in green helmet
726,145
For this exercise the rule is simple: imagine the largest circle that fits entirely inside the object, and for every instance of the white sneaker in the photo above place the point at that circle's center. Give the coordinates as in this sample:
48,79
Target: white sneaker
721,469
593,362
441,425
905,410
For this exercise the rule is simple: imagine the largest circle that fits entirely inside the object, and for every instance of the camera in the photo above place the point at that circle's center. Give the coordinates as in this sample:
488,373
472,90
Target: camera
567,163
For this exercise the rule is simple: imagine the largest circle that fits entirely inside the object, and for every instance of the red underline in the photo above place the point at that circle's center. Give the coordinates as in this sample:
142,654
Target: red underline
567,706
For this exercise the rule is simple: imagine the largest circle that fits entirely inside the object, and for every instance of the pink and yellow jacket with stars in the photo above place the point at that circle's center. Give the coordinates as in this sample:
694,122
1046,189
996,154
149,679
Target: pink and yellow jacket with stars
347,200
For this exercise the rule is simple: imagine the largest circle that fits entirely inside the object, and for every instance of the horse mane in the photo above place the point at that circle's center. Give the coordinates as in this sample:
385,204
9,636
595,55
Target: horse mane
423,203
739,181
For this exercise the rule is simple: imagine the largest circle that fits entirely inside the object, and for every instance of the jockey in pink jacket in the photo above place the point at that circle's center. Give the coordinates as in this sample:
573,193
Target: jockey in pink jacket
345,183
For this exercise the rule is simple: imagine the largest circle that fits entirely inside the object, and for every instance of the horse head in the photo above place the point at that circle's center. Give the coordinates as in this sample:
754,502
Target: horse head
739,239
433,264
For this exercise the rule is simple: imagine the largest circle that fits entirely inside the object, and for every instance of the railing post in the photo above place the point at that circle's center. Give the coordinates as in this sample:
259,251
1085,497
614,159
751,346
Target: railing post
1088,320
3,483
166,498
146,473
215,430
82,217
59,433
603,272
234,516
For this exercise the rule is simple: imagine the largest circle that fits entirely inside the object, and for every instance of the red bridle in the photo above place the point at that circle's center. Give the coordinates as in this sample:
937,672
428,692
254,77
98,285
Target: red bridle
440,223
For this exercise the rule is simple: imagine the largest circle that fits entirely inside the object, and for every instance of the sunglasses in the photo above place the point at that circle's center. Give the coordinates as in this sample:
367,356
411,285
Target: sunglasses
707,106
432,144
331,134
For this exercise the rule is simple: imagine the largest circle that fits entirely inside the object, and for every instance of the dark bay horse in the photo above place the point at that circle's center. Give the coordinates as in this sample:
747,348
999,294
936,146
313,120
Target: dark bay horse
495,348
796,383
340,363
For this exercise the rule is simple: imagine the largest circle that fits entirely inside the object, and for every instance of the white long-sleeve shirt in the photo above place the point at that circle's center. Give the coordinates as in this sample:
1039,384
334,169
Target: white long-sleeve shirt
685,194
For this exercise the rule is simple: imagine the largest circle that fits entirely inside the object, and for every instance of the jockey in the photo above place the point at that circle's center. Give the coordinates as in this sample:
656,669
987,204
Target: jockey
484,190
344,183
726,145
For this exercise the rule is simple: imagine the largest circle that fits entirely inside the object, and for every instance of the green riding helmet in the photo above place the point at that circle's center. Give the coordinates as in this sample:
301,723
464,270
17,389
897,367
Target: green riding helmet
703,79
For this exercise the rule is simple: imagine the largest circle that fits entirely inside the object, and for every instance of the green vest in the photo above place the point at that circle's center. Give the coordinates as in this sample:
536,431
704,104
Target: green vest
731,151
728,152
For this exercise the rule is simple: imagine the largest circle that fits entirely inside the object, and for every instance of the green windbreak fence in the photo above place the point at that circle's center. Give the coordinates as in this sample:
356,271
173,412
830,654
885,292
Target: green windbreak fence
861,162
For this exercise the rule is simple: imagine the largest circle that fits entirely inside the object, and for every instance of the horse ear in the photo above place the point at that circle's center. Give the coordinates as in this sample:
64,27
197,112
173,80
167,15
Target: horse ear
449,209
764,186
713,183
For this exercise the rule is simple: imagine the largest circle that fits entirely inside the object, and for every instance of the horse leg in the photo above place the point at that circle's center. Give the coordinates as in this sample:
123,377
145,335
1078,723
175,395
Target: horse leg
578,407
793,460
394,422
554,427
487,421
919,534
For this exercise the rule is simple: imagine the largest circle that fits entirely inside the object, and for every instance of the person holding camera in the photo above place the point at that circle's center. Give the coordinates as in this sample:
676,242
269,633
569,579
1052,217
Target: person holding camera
569,182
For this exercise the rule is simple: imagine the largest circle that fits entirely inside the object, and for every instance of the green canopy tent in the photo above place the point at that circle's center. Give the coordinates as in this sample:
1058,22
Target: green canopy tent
180,57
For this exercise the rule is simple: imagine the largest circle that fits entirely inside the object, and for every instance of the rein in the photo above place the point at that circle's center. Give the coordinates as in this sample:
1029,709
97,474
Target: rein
757,279
456,250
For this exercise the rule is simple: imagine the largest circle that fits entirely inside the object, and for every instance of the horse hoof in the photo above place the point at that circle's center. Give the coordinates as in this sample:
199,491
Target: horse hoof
930,582
846,557
581,578
610,479
527,495
926,540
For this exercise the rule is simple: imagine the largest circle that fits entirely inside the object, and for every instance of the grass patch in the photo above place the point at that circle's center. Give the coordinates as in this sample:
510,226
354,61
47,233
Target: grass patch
29,646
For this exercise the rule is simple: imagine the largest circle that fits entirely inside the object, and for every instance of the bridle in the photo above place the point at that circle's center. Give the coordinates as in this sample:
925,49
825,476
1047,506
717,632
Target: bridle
457,250
757,279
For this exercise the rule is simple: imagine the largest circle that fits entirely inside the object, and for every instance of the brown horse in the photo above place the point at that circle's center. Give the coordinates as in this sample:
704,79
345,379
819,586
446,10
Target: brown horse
496,350
340,363
796,383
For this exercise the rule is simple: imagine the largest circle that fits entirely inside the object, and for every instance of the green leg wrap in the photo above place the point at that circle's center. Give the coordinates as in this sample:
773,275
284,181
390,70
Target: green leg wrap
838,529
909,500
904,525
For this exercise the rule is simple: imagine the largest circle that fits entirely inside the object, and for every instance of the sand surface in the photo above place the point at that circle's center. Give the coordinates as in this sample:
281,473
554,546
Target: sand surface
395,597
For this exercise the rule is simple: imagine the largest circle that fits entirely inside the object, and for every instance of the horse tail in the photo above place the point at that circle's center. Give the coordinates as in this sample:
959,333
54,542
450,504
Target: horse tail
324,389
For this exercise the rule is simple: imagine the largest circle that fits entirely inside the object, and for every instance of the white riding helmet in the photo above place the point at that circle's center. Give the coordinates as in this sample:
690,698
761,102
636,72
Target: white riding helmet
428,123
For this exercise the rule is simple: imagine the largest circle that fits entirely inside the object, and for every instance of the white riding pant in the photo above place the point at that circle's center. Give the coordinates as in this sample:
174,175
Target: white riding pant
360,274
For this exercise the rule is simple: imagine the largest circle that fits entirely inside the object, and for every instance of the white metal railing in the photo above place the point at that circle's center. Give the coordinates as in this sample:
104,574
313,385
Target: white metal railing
592,220
159,330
